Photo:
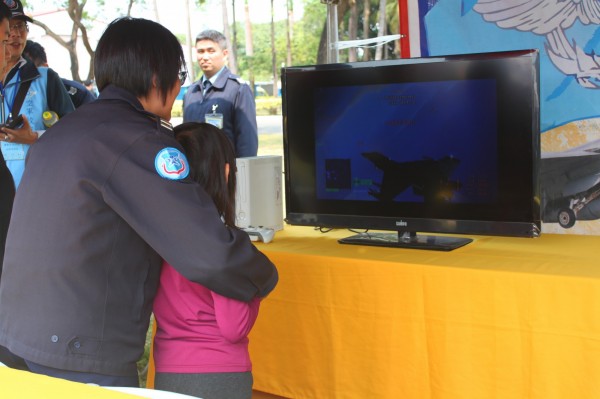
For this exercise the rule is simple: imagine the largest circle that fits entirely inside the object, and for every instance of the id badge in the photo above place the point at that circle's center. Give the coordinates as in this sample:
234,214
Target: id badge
13,151
214,119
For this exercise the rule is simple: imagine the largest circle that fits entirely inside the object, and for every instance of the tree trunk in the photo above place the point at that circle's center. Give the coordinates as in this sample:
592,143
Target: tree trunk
129,6
342,7
353,30
289,30
249,44
273,51
234,35
366,25
157,15
381,25
191,45
232,62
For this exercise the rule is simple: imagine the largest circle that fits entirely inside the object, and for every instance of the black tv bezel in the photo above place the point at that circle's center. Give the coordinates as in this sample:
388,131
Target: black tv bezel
518,212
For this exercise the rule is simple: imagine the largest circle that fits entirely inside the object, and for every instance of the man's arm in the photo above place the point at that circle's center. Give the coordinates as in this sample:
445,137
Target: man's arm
179,220
59,100
245,130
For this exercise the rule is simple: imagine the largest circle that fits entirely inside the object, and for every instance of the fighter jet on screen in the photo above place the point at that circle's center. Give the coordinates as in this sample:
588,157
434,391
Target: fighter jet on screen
571,185
429,178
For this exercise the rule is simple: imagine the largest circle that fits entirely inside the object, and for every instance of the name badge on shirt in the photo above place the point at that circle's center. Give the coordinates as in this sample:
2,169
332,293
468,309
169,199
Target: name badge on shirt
13,151
214,119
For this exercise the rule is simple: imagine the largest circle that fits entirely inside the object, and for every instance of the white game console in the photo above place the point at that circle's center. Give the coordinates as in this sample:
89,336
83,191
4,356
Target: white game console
259,201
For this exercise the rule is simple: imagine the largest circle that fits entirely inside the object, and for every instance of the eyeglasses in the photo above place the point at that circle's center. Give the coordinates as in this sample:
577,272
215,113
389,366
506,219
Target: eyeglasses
20,28
182,76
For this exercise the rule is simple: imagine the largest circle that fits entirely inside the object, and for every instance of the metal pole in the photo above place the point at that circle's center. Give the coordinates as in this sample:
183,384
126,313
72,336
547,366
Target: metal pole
332,30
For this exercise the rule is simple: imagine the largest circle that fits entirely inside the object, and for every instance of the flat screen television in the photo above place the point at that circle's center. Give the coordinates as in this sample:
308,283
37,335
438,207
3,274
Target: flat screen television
396,148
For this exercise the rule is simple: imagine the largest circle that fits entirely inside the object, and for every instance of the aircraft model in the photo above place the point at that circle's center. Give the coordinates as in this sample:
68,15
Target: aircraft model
429,178
570,182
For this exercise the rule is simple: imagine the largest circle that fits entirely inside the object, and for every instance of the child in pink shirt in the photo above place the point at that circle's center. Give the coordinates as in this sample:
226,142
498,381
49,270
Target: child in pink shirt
201,342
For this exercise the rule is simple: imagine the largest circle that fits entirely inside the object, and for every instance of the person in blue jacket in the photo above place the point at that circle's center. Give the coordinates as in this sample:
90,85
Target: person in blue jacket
79,93
29,91
220,97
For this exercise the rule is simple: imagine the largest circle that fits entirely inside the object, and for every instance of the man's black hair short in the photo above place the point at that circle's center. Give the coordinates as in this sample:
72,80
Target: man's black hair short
35,52
134,51
5,12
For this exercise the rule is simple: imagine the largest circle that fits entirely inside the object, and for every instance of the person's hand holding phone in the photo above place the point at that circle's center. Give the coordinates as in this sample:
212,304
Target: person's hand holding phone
18,131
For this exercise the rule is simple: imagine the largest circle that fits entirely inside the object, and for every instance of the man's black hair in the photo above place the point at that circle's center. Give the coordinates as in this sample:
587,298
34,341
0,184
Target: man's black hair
35,52
5,12
134,51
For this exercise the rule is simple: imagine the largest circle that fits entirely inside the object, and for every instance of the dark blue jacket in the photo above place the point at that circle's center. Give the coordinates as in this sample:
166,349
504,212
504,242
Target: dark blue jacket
78,92
232,98
92,221
7,194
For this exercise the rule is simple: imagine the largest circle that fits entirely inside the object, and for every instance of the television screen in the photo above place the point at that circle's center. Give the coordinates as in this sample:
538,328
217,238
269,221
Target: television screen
444,144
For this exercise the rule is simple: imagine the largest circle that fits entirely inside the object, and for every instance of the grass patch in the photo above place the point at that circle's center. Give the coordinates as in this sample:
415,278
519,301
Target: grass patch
270,144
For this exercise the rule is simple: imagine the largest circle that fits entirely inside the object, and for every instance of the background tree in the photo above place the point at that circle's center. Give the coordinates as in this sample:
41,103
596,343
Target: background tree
289,27
77,15
366,26
232,61
353,30
273,50
249,44
234,35
381,29
374,20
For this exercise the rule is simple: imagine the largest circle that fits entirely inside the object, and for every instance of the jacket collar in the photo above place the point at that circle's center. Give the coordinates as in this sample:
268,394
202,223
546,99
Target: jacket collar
27,70
112,92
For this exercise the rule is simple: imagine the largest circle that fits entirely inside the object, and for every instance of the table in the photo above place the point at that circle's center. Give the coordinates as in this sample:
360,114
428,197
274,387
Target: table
26,385
498,318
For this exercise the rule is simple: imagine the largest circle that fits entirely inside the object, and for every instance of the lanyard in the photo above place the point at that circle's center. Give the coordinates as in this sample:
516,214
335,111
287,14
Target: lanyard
2,110
14,95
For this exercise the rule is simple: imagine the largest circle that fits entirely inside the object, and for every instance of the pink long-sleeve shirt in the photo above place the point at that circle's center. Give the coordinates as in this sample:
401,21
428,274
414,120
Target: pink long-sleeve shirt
200,331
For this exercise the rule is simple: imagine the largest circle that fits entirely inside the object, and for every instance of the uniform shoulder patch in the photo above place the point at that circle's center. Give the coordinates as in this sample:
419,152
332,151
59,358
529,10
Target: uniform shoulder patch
171,164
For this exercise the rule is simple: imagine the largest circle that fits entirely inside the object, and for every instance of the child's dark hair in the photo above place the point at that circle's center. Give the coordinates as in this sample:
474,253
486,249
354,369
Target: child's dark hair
208,150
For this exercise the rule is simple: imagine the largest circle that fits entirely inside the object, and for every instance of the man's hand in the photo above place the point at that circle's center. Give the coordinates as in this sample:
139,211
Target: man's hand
22,135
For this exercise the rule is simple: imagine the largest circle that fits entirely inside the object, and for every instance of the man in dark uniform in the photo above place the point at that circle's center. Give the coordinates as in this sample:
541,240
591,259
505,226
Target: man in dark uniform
105,197
220,97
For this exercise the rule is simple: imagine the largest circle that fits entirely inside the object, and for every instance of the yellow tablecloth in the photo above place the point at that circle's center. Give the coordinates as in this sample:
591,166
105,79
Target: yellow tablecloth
15,384
499,318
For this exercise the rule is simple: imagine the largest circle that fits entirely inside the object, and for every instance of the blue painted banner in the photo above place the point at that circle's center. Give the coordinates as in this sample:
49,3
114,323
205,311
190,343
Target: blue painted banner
567,33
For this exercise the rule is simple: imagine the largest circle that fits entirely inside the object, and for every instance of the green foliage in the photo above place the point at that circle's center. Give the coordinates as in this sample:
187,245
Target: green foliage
268,106
392,27
305,42
177,110
142,364
307,33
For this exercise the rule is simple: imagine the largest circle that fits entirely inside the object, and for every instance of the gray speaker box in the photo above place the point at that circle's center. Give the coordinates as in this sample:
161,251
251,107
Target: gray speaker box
259,200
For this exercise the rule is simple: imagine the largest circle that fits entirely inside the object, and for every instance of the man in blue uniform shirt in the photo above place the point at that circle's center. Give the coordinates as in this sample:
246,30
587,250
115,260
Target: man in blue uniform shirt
220,97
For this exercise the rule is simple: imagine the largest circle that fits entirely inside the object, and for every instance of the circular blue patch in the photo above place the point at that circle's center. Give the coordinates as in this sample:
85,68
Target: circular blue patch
170,163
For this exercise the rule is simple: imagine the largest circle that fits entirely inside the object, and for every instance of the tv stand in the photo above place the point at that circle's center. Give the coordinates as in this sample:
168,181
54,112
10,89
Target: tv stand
407,239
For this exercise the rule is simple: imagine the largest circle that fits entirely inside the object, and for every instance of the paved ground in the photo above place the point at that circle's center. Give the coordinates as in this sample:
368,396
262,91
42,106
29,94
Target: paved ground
270,124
